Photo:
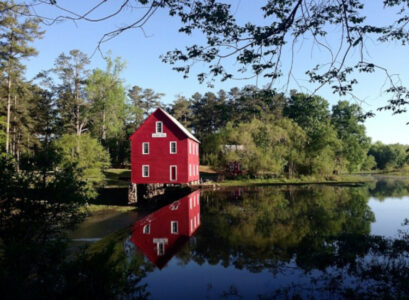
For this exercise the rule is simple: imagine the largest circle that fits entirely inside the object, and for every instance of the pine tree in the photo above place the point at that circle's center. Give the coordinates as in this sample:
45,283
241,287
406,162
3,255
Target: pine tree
73,108
16,32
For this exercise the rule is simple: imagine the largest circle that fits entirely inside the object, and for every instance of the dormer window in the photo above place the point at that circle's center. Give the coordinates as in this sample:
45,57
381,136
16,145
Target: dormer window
159,127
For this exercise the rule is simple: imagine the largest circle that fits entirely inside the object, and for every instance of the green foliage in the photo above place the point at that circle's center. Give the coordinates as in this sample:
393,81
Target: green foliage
389,157
72,104
181,110
87,158
369,163
143,101
346,119
108,109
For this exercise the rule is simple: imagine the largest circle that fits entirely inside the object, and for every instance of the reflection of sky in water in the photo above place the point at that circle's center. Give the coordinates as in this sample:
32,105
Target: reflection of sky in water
217,282
389,215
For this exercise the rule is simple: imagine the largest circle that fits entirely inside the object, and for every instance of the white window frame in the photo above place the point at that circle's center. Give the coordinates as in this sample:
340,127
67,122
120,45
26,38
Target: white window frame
170,172
143,169
146,229
170,147
197,170
190,203
143,148
197,149
172,231
161,126
190,147
190,170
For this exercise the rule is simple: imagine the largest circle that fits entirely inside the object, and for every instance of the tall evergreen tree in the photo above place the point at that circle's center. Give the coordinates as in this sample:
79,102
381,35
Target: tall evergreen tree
182,111
143,101
73,107
16,33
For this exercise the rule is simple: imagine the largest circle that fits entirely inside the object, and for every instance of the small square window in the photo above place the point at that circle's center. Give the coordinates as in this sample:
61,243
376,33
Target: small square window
173,147
174,227
145,171
145,148
159,127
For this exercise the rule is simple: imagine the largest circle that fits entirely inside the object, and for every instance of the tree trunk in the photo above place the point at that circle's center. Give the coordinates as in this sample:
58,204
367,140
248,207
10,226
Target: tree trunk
8,113
104,132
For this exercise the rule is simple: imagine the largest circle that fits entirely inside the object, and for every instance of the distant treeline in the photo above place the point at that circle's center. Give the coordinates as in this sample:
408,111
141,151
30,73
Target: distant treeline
279,135
71,116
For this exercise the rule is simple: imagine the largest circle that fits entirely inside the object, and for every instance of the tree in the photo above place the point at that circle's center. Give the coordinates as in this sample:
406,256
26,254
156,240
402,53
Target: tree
86,157
257,44
143,101
16,32
209,113
323,149
347,120
389,156
181,110
106,94
73,107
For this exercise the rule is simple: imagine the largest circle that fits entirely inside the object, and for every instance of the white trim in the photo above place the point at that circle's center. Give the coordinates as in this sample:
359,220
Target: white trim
197,170
190,147
171,227
143,173
190,170
181,127
170,172
170,147
143,148
156,127
190,203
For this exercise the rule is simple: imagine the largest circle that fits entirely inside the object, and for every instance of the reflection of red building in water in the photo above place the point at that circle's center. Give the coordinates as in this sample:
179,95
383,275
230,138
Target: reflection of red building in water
161,234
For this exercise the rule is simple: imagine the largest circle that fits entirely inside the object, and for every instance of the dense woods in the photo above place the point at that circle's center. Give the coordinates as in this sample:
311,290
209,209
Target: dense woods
61,129
78,117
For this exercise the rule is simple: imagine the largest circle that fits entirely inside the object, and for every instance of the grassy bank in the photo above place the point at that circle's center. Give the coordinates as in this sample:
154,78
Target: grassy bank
120,178
341,179
96,208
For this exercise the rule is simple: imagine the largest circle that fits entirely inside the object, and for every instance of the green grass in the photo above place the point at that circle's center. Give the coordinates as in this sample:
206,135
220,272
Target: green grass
93,208
117,178
340,179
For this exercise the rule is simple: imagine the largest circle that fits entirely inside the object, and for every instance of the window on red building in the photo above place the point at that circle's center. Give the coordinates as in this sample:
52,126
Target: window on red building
145,148
172,146
159,127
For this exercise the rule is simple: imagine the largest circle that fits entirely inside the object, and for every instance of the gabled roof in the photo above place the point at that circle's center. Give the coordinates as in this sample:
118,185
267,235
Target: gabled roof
176,122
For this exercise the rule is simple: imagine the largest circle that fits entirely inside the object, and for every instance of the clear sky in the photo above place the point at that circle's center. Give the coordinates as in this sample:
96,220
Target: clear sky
141,51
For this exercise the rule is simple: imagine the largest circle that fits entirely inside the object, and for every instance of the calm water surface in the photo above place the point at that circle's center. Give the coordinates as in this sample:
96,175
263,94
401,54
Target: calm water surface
324,242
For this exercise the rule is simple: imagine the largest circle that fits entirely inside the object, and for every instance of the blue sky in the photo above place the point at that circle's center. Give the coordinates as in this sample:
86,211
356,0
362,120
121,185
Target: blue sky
141,51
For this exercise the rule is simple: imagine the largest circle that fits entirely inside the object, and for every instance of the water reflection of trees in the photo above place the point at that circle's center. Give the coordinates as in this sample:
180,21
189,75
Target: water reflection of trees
324,231
271,225
389,187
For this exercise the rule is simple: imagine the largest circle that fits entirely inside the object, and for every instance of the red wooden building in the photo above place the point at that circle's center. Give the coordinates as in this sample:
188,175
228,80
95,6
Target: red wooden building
164,151
161,234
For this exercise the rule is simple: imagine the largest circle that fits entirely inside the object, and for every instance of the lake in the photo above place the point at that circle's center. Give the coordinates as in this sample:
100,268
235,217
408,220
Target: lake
269,242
